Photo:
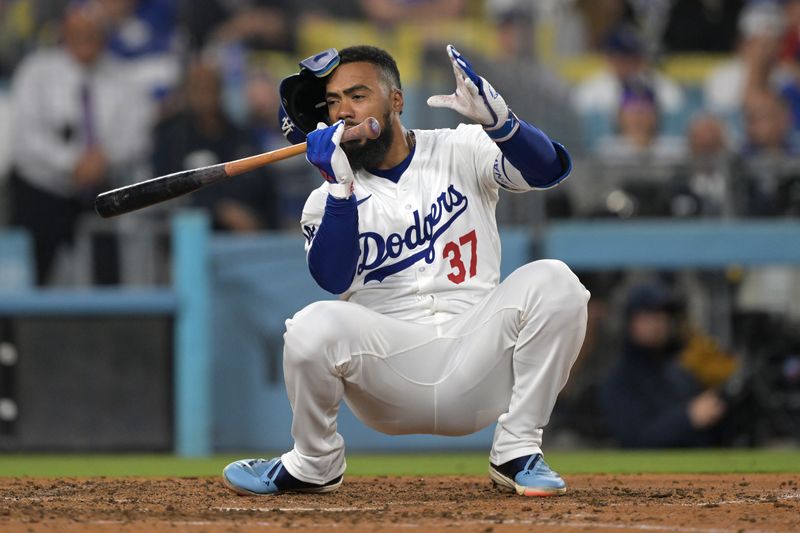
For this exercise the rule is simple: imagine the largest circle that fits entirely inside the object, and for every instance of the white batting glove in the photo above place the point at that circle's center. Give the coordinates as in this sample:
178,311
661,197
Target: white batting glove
323,151
476,99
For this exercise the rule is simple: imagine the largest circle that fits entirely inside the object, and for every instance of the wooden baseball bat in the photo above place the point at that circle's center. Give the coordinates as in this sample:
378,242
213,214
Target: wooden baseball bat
156,190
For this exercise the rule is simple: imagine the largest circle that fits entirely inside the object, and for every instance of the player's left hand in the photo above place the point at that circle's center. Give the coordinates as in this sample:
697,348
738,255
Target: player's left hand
476,99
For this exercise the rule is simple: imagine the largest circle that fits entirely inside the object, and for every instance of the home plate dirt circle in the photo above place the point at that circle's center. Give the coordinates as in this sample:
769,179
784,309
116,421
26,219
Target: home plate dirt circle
683,503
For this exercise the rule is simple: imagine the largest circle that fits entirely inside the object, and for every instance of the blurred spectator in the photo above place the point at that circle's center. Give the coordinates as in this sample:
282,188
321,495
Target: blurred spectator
5,134
17,28
233,31
638,137
259,24
323,9
572,39
788,77
600,17
768,126
709,184
791,37
298,178
771,167
577,414
753,69
263,101
650,399
389,13
626,59
5,154
82,124
770,157
651,17
597,98
535,91
201,134
702,26
144,32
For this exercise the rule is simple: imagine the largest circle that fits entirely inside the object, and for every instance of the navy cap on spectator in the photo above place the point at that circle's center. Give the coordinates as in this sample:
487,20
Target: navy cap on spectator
650,296
624,40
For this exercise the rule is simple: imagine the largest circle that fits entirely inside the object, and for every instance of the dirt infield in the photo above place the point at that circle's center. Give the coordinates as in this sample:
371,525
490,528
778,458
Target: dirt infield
696,503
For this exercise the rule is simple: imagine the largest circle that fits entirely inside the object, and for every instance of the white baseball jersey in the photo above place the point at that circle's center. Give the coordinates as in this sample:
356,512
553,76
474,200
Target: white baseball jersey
429,243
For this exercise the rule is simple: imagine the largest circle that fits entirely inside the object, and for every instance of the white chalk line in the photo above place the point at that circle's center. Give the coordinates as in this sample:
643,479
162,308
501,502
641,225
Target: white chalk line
739,501
67,497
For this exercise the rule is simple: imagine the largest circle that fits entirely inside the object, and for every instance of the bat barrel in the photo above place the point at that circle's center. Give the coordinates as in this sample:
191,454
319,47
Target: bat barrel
150,192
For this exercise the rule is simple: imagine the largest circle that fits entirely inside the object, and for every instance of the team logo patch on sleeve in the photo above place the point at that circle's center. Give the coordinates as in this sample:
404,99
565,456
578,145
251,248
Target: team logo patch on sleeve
500,175
309,231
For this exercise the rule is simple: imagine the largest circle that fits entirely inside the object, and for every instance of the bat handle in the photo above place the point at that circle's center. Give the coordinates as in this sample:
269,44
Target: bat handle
368,129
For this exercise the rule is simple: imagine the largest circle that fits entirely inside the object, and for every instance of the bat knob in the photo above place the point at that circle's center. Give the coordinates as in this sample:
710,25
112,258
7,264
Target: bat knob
373,128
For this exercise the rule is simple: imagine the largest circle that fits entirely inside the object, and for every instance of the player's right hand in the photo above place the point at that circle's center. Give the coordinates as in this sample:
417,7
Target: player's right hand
324,152
476,99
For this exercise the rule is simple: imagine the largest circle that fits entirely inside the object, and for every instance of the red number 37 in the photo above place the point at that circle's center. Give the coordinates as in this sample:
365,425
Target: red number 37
452,251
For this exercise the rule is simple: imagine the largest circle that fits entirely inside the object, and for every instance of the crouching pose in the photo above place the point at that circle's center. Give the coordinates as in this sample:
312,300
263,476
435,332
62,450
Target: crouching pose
424,338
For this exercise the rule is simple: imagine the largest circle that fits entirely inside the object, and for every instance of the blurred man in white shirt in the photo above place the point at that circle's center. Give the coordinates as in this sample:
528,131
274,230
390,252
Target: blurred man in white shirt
81,124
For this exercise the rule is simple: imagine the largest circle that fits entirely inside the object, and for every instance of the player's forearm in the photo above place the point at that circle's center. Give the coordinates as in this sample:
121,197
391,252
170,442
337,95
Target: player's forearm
333,255
541,162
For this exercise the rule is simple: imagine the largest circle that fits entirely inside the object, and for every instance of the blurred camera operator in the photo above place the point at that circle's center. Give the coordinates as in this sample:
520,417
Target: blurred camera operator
660,394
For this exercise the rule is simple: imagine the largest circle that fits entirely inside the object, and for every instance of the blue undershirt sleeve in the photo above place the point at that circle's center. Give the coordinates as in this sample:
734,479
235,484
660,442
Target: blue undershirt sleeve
542,162
334,252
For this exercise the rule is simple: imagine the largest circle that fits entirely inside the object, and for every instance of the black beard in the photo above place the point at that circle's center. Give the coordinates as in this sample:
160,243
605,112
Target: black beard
372,152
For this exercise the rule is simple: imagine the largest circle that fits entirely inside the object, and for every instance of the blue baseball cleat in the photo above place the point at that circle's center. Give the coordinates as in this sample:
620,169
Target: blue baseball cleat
253,477
528,476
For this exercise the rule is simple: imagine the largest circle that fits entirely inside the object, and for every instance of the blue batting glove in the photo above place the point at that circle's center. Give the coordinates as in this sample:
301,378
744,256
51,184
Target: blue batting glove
476,99
324,152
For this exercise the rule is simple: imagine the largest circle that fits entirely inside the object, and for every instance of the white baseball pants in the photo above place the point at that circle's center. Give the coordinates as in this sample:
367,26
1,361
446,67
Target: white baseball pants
503,360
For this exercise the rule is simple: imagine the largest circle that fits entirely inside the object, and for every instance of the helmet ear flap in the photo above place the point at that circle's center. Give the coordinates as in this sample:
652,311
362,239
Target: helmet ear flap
289,129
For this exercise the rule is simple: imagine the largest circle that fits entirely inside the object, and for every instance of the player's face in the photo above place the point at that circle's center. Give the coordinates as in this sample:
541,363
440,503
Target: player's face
356,91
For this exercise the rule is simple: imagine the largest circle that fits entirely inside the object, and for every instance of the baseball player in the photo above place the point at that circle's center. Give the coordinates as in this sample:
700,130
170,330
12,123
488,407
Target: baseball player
423,338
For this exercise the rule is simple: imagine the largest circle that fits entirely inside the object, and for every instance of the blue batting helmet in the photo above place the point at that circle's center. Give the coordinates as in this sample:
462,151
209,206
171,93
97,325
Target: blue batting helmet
303,96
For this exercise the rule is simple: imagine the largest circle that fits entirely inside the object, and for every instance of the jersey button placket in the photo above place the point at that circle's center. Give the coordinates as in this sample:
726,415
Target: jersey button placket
424,277
422,270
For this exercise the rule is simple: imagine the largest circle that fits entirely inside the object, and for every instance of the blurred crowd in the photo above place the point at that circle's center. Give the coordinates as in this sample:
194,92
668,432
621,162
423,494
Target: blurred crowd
96,94
671,108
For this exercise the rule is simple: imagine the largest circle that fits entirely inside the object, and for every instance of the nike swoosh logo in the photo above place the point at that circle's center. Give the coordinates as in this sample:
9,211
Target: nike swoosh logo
363,200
